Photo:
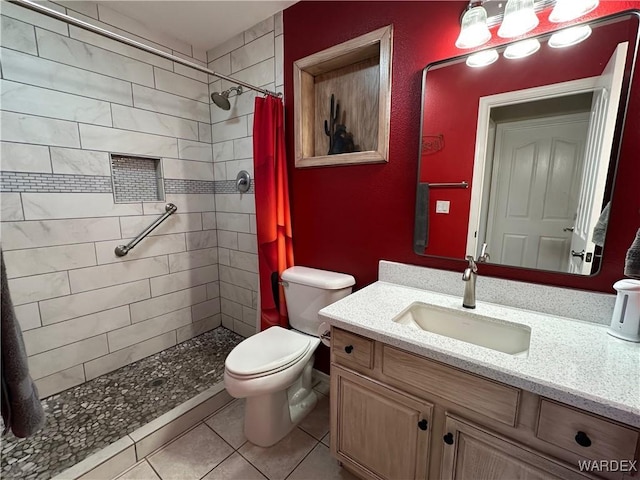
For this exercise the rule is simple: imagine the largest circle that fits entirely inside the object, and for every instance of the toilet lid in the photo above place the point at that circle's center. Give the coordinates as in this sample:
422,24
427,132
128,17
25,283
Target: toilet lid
266,351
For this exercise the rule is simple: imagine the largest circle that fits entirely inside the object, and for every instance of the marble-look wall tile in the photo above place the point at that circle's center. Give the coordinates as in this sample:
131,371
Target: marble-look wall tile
18,35
234,203
236,222
192,259
279,60
240,278
138,332
52,361
18,127
187,170
204,132
203,239
237,294
200,151
221,65
91,278
127,142
260,74
162,102
198,328
79,304
243,148
223,151
182,280
28,316
90,9
190,72
60,381
17,235
243,329
153,246
21,98
176,223
151,122
11,206
113,361
80,162
45,206
205,309
180,85
186,202
247,243
213,290
278,23
38,287
230,129
259,29
34,261
228,239
44,73
243,261
34,18
156,306
78,54
234,166
208,220
230,308
64,333
234,42
254,52
22,157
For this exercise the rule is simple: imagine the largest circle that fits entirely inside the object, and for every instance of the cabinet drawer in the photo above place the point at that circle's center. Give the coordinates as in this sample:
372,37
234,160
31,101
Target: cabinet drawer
486,397
351,349
600,439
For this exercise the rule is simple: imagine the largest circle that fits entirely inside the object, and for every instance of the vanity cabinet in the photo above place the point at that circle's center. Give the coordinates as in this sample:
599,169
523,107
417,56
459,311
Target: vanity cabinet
397,415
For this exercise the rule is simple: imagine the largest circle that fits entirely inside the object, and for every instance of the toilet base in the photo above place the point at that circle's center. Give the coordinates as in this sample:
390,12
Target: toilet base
269,418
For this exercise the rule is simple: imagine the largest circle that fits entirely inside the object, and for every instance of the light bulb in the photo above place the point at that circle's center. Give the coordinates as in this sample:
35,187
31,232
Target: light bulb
482,59
522,49
474,31
569,36
567,10
519,18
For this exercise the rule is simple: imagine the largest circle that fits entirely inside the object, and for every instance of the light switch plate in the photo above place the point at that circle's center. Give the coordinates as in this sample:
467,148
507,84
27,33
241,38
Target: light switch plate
442,206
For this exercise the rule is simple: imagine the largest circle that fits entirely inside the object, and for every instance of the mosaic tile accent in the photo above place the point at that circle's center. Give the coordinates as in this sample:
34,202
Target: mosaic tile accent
87,418
172,185
53,183
136,179
229,186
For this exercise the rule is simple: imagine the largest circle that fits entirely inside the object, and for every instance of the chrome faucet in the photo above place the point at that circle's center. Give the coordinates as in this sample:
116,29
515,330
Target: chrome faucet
469,277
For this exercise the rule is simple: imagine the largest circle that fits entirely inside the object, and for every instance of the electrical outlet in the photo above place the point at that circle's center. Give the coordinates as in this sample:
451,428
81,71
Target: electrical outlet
442,206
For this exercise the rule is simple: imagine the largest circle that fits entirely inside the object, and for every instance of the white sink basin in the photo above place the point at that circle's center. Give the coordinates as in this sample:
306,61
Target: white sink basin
506,337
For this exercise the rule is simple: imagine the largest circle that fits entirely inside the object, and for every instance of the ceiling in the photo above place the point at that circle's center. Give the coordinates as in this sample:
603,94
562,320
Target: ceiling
203,24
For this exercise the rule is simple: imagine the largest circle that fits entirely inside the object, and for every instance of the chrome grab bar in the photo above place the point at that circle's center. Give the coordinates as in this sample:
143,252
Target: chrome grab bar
122,250
463,184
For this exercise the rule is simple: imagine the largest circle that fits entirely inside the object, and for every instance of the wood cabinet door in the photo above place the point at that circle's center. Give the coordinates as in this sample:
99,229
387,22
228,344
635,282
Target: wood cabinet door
472,453
380,432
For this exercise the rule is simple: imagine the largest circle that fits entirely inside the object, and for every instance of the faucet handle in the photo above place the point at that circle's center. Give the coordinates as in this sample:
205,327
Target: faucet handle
472,263
484,256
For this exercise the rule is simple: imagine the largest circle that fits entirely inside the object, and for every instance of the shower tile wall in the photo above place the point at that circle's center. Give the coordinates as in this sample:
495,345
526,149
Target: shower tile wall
69,99
255,56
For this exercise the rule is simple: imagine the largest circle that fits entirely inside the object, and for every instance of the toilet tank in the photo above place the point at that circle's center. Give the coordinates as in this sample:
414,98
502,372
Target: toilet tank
308,290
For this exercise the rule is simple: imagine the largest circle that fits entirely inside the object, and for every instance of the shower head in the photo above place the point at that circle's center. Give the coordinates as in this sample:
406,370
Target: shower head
222,99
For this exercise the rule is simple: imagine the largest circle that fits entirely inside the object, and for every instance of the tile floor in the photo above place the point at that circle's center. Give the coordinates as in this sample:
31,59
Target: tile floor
216,449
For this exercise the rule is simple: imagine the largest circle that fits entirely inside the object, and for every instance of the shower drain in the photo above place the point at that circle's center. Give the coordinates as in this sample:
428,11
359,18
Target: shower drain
156,382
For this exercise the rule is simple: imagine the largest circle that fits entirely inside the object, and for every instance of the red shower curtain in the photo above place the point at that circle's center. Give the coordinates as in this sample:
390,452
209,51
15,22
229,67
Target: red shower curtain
275,250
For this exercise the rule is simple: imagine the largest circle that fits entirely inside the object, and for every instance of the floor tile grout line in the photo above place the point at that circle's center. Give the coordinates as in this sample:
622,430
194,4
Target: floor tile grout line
219,463
303,459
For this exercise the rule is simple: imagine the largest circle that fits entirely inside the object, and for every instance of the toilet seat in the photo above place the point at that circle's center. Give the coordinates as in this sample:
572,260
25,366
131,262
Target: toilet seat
267,352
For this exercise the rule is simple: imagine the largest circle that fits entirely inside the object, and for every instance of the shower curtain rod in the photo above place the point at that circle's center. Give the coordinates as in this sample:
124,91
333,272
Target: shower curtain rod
141,46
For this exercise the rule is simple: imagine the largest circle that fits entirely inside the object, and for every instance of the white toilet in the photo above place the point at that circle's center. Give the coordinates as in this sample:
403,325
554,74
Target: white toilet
272,369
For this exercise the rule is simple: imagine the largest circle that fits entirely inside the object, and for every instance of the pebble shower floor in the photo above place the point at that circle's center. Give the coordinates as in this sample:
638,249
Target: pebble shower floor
87,418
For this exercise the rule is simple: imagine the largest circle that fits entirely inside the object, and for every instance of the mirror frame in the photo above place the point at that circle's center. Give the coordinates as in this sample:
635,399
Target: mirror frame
549,276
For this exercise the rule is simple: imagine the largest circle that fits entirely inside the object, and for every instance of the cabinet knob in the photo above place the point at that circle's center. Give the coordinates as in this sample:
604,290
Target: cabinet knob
448,439
583,439
348,348
422,424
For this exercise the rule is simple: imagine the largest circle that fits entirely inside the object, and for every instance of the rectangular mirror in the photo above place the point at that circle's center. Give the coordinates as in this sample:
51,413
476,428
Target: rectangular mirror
521,154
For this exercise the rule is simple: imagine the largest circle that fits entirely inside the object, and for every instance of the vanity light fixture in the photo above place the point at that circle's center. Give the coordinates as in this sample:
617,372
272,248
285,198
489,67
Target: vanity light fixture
474,31
567,10
569,36
482,59
519,18
522,49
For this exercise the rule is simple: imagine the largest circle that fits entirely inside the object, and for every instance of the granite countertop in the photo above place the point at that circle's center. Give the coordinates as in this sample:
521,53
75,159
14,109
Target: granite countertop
570,361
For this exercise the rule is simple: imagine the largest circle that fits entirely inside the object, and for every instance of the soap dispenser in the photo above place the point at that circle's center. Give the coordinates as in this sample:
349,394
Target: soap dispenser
625,322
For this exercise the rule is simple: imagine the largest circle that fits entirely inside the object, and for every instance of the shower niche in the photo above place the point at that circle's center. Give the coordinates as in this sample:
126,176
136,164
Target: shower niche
342,96
136,179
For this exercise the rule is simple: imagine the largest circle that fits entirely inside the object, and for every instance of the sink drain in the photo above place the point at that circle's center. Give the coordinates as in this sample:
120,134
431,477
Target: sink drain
156,382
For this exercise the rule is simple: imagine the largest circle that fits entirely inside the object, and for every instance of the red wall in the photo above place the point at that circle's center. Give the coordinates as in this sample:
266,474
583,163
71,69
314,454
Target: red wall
348,218
461,86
